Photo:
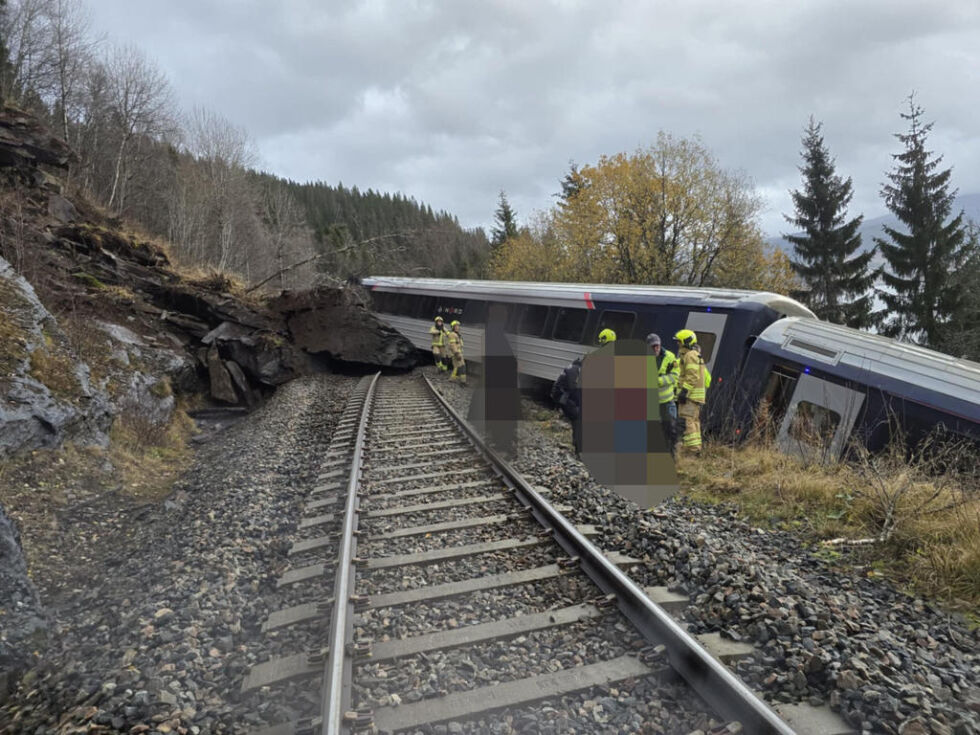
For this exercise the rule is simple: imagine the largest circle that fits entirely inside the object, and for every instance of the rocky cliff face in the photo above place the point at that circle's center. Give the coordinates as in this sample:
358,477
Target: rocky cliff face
113,324
100,330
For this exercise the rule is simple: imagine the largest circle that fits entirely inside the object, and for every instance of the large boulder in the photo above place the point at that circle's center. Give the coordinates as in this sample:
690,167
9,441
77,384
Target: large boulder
335,322
263,355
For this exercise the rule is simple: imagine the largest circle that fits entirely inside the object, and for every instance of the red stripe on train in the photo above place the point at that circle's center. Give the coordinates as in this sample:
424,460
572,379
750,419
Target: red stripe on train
588,301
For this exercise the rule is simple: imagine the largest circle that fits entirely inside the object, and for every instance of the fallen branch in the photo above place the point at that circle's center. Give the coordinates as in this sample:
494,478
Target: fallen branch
850,542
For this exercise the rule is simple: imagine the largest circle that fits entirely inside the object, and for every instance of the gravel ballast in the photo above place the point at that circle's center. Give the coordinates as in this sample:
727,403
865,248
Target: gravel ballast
887,662
159,632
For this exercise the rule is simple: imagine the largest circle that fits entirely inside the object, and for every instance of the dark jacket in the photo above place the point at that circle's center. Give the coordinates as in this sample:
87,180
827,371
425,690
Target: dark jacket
567,390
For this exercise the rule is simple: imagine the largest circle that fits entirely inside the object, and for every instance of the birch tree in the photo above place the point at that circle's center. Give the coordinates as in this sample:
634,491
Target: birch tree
140,102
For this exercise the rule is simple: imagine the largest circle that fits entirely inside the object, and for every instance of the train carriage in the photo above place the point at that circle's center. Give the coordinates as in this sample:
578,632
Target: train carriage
820,385
550,324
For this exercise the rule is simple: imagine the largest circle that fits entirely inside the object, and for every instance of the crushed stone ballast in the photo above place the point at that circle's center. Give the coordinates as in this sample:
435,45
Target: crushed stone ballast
433,585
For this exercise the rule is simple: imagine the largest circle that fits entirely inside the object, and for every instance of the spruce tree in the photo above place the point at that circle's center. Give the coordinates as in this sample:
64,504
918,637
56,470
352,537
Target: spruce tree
505,222
962,335
922,297
828,257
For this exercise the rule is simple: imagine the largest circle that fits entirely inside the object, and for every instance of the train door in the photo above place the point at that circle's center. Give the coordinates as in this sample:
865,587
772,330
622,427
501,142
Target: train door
819,418
709,328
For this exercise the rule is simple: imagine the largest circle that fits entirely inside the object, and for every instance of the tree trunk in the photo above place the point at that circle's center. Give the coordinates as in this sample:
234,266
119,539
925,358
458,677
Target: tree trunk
115,177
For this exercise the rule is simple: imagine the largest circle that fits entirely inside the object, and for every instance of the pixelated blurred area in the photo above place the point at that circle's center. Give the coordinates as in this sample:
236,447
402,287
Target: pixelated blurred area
623,443
495,407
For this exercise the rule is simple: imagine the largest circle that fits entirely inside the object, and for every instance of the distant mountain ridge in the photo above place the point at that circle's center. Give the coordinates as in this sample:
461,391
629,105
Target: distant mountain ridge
871,228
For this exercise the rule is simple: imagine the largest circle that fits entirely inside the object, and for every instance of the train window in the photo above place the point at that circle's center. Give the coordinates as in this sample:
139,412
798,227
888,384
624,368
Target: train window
501,313
382,301
707,341
427,308
776,396
621,322
474,312
513,318
405,304
569,325
532,320
814,424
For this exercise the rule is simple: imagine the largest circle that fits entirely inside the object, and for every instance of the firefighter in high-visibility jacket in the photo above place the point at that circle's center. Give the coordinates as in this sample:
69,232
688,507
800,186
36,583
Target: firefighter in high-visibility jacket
455,343
438,333
692,386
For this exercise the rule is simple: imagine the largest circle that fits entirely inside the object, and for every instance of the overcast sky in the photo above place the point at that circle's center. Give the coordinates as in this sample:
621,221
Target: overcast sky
451,101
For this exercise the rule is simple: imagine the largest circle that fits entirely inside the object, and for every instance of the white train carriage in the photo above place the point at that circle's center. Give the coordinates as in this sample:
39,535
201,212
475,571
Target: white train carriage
550,324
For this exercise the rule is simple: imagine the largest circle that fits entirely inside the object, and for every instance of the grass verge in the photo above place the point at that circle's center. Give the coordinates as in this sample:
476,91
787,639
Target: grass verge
886,514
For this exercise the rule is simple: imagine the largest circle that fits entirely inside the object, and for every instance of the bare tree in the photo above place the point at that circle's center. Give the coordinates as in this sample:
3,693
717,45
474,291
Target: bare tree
140,101
287,228
224,152
72,50
26,33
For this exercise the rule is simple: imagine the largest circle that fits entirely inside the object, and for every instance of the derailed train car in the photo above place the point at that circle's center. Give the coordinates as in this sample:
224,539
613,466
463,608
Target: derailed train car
819,386
550,324
812,382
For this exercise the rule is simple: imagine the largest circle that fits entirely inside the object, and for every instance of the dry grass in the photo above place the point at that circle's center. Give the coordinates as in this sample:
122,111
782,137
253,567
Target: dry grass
224,282
919,526
14,326
56,369
149,456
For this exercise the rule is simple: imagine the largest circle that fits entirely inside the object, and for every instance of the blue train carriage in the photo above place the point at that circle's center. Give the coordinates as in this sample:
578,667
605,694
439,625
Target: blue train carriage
816,386
550,324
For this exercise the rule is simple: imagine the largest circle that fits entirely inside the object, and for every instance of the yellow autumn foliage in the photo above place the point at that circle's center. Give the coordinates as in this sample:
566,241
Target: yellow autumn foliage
668,214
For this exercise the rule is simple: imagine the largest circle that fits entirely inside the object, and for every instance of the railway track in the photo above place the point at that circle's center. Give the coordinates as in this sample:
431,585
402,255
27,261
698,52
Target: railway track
432,585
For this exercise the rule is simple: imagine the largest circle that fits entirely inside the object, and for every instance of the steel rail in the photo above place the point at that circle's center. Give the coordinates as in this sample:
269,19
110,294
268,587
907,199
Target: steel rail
719,687
336,687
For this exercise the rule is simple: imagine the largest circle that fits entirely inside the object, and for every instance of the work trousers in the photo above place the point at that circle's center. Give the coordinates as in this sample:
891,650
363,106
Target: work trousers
690,412
577,433
668,423
459,367
438,356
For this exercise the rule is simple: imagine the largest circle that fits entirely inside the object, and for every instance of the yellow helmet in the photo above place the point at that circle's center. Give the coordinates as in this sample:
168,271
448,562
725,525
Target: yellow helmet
686,338
454,323
607,335
438,318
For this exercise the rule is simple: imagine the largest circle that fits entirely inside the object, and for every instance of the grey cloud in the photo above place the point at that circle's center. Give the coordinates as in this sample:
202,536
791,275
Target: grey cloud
452,101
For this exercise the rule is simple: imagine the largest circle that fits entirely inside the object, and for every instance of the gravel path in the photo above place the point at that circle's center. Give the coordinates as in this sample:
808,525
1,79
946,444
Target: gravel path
889,663
157,635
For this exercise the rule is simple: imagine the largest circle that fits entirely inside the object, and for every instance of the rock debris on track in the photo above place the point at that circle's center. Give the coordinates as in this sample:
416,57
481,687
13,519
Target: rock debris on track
158,634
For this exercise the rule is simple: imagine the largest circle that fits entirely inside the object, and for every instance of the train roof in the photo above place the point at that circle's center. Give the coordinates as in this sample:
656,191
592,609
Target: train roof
580,295
822,343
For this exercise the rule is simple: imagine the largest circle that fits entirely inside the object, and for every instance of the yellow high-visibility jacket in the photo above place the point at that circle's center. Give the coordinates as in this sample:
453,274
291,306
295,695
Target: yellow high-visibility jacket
667,375
437,335
693,377
455,341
